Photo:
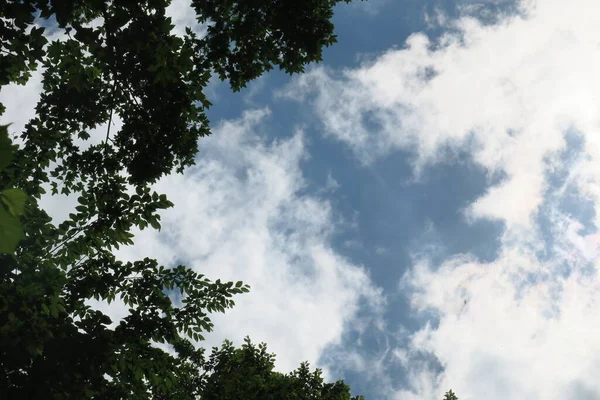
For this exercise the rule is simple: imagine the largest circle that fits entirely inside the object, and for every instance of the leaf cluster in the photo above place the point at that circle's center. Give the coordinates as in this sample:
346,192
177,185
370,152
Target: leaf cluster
12,201
450,395
248,373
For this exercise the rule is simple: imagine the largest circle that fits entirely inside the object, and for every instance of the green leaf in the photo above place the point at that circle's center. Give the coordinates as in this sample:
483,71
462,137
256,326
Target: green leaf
6,147
14,200
11,232
155,224
53,310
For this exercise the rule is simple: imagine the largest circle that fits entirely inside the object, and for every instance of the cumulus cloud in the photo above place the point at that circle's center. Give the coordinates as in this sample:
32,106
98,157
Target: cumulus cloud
510,94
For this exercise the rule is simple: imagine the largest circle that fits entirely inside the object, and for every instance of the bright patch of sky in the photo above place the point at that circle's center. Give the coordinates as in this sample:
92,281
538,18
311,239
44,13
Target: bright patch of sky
415,214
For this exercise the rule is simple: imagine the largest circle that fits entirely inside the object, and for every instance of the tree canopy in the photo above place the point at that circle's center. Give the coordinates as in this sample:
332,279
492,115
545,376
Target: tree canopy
248,373
110,58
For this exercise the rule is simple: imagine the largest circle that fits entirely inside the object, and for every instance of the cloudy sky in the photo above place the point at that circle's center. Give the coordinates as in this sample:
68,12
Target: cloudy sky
414,214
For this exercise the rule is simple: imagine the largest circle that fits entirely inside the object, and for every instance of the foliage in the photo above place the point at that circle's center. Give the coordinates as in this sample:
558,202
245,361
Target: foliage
247,373
450,395
12,201
122,58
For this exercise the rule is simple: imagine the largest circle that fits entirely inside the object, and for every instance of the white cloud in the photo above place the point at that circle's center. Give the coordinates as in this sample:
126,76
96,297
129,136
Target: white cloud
507,91
526,324
238,216
20,103
435,19
183,15
514,328
331,184
369,8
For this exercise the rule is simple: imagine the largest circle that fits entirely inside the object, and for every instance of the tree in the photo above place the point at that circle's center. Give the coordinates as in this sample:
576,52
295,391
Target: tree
450,395
122,58
248,373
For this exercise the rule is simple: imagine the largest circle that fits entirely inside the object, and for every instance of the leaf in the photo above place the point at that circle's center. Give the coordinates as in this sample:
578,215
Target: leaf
11,232
155,224
14,200
6,147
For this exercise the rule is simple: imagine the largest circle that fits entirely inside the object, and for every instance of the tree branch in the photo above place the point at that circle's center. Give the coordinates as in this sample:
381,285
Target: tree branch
111,114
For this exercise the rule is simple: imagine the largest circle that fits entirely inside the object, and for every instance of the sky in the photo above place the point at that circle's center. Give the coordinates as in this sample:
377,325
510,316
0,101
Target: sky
416,213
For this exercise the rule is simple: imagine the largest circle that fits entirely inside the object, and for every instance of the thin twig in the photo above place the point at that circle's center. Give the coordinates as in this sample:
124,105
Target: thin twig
82,259
112,107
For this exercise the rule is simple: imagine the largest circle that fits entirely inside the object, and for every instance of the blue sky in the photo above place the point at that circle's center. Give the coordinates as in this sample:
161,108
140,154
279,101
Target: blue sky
414,214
